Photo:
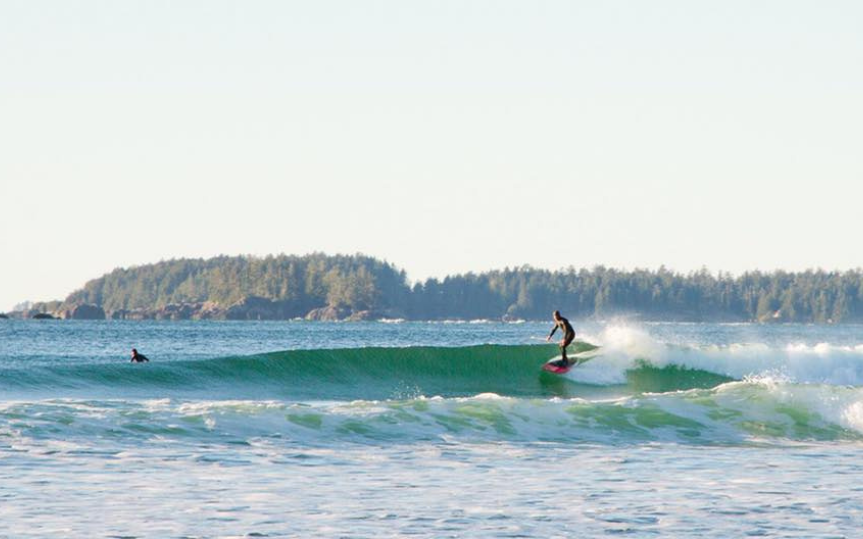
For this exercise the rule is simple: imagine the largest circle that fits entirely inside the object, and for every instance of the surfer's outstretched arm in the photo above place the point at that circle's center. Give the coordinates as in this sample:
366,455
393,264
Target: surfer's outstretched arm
550,335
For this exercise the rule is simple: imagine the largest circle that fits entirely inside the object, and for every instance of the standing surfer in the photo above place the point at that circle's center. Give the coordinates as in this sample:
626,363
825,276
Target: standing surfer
568,335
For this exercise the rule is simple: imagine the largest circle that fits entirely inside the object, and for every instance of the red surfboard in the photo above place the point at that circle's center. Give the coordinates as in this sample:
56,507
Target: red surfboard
557,367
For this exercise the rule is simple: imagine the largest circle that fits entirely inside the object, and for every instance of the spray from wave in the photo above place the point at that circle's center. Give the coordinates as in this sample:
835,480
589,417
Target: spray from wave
626,348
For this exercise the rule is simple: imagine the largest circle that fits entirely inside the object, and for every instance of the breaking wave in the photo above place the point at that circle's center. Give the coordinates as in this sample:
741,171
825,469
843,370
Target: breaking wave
755,411
633,389
627,362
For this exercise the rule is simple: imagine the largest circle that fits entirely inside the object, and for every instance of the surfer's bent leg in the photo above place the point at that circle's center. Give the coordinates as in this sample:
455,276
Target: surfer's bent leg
567,340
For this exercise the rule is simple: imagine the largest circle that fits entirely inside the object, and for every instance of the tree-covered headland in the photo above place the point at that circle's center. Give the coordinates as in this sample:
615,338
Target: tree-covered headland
318,286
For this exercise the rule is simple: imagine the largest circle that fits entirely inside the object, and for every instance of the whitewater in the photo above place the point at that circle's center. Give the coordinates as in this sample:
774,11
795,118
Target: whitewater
297,429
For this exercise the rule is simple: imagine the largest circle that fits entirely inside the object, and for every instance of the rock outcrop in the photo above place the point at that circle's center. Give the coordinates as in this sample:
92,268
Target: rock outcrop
131,314
84,312
258,308
329,313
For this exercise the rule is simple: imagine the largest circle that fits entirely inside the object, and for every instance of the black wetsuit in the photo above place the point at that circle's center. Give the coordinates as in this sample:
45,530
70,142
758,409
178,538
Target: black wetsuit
568,335
139,358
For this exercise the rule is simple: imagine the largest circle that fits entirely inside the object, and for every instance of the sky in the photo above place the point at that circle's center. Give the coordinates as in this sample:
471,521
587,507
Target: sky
442,136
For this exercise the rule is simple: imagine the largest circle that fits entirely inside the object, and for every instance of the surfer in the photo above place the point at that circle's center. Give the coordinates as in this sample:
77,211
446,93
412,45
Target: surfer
138,358
568,335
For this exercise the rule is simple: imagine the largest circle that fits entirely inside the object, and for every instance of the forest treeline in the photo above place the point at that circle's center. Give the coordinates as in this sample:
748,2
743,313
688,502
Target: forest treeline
360,284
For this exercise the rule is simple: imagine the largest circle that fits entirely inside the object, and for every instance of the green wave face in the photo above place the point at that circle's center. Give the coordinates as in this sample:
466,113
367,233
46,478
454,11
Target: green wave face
388,373
337,374
352,374
649,379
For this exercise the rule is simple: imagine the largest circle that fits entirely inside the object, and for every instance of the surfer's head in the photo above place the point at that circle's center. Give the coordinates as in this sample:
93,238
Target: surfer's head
556,315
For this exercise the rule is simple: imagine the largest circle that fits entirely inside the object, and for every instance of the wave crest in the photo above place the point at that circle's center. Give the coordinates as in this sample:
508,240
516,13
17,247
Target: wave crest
732,413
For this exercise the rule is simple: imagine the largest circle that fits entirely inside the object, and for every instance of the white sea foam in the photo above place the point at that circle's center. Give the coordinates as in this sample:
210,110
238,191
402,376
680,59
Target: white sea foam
623,347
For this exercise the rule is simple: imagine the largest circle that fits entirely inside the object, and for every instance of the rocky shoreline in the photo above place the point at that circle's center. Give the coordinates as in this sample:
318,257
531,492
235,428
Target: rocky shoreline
250,308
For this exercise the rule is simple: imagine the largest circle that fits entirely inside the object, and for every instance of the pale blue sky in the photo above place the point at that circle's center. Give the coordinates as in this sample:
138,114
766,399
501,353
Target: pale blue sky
441,136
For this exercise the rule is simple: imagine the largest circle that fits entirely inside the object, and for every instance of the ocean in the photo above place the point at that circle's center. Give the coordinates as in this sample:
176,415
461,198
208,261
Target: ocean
447,429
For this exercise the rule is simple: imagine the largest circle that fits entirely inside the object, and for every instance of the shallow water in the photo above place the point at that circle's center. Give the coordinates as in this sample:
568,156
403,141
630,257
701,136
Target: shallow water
391,430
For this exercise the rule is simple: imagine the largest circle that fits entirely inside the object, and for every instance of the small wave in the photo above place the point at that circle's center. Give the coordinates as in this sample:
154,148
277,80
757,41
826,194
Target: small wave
732,413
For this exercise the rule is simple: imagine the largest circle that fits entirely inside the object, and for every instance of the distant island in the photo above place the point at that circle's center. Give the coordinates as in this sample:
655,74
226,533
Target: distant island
357,287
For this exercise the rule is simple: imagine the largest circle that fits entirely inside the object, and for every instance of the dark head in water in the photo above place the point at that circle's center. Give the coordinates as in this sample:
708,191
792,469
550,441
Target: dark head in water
138,358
